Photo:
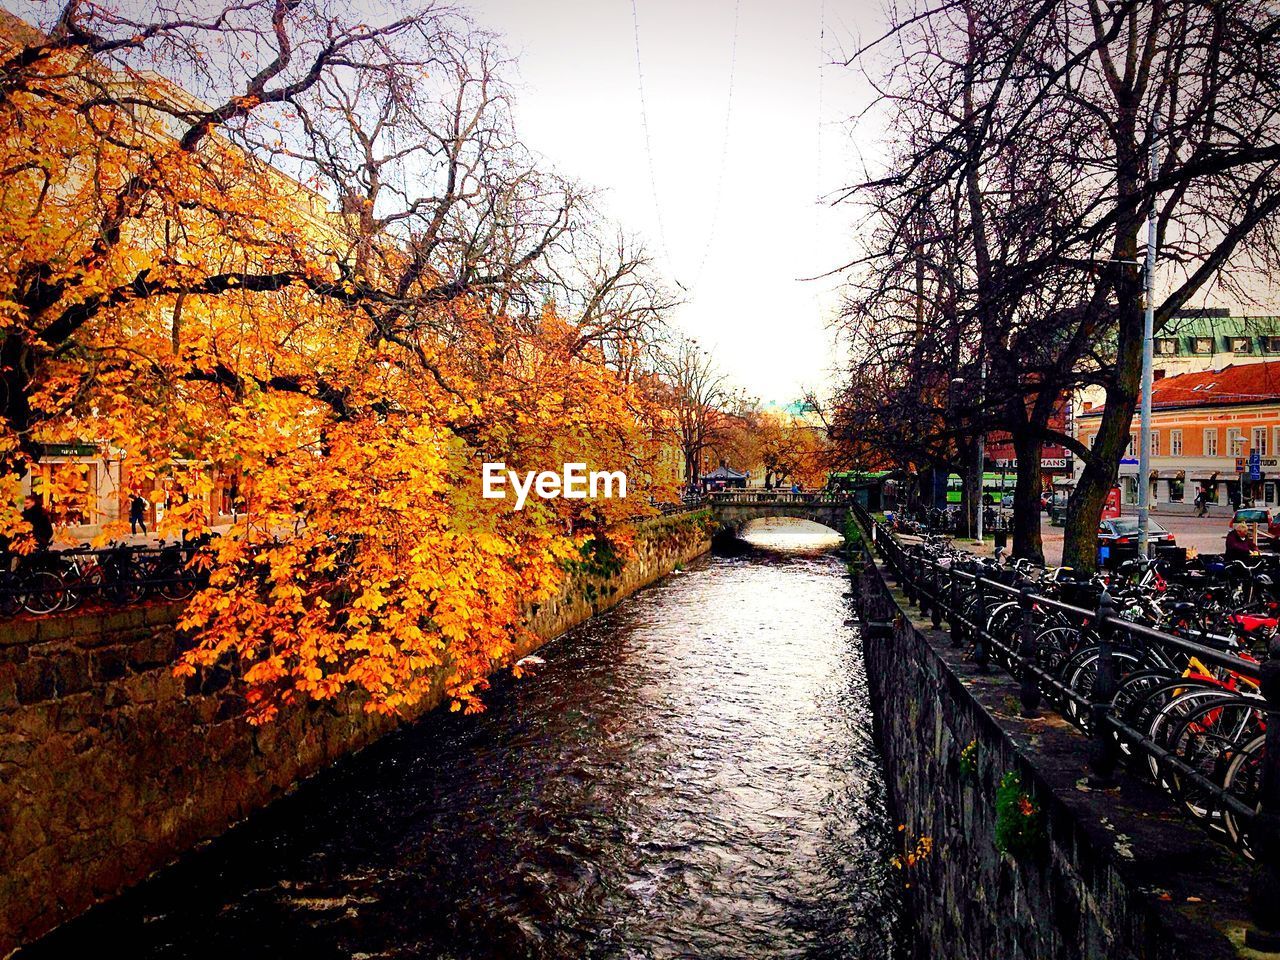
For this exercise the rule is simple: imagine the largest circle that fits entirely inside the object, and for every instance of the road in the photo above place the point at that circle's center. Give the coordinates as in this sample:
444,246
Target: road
1206,535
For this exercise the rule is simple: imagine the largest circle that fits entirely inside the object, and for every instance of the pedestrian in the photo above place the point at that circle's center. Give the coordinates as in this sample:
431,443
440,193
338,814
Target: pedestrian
137,513
41,526
1202,502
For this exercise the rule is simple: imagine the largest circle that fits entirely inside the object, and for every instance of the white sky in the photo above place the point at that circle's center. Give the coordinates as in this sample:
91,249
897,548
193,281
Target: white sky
579,105
788,143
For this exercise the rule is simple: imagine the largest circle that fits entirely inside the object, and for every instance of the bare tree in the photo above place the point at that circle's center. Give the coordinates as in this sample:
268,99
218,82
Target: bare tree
697,398
1034,120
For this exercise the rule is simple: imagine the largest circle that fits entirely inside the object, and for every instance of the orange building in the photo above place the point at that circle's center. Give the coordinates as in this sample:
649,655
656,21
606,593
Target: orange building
1205,428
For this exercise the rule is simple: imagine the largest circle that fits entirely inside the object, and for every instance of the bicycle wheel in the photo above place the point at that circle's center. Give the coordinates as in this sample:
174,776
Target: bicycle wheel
1206,740
84,587
1243,781
1139,712
1133,690
10,593
1083,674
1169,718
1054,646
177,586
124,588
42,592
1000,620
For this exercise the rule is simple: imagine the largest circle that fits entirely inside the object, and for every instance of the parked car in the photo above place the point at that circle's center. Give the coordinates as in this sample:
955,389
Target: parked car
1121,532
1268,526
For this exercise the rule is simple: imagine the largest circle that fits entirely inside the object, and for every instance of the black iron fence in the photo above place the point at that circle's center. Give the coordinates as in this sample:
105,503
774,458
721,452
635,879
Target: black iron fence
684,505
1199,719
59,581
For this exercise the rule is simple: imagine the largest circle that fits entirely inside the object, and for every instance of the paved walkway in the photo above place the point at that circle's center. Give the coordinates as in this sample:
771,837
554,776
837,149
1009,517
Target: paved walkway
132,540
1204,534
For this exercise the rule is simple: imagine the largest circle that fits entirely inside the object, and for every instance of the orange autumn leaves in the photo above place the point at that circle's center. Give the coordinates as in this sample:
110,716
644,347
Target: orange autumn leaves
368,564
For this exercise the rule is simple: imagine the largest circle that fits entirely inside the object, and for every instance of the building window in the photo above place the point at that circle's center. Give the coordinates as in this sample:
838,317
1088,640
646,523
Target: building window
1271,344
1259,441
1155,443
1202,345
1211,442
69,491
1177,491
1235,442
1168,346
1175,443
1241,345
1092,438
1128,451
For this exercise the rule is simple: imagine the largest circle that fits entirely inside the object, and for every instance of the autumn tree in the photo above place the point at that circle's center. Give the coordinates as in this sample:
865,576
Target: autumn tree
289,243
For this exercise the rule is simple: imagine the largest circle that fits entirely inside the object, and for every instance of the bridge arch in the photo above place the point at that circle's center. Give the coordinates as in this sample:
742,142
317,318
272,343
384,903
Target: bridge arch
733,510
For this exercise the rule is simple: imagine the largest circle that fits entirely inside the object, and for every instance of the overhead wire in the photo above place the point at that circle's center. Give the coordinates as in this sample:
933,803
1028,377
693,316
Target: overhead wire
648,143
724,147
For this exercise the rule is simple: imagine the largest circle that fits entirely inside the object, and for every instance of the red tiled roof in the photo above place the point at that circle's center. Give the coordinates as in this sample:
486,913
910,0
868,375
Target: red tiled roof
1239,383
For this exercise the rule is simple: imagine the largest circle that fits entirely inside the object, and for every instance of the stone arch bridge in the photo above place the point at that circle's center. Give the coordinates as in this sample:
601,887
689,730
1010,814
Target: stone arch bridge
734,509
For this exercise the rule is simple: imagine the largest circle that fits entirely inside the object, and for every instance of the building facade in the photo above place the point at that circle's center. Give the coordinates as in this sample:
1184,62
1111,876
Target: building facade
1213,429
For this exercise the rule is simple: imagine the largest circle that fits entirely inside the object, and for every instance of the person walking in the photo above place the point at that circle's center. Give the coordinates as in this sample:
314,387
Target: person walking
1202,502
41,526
137,513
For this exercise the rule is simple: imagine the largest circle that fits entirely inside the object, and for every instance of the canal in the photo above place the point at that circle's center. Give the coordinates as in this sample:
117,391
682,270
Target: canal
689,775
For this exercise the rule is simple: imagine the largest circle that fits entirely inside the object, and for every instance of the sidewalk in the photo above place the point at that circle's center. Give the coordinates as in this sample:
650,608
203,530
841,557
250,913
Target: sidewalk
1180,510
150,539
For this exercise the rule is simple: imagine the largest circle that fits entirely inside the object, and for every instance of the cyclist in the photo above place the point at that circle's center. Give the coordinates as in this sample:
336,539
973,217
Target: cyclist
1240,545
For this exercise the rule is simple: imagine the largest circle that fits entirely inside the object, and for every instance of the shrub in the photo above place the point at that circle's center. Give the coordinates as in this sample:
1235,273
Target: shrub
1019,820
969,760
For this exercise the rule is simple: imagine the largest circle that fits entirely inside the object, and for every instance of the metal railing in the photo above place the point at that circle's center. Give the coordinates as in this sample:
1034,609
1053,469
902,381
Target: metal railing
684,505
781,496
59,581
964,599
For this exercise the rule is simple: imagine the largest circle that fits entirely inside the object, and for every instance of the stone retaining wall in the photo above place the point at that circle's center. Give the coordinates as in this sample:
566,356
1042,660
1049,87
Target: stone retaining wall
110,767
1119,874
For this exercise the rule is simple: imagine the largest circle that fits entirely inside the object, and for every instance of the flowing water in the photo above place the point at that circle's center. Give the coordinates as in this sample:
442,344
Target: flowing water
689,775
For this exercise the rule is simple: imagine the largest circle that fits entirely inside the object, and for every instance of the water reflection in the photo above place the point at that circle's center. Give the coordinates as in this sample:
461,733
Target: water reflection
783,533
691,775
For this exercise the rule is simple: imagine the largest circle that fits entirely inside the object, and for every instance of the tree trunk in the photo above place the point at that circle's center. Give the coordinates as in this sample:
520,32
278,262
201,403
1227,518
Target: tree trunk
1026,499
1080,546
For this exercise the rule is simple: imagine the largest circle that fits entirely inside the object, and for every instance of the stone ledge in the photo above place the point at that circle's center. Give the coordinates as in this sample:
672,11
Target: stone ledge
1131,845
110,767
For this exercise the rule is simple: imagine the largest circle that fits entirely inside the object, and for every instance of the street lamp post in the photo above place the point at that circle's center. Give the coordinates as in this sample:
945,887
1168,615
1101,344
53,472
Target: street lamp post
982,440
1148,345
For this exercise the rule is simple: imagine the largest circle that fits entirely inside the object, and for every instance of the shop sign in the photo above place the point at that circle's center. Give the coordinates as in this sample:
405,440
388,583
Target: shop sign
1046,463
68,450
